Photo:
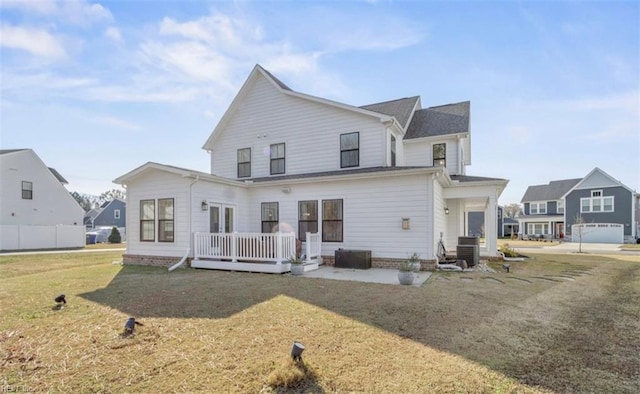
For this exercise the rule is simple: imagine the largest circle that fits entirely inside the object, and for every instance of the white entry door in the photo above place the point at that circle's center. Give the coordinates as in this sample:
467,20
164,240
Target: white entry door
221,218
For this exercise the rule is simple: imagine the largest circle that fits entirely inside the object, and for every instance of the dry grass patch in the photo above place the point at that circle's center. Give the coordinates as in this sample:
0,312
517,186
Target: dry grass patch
211,331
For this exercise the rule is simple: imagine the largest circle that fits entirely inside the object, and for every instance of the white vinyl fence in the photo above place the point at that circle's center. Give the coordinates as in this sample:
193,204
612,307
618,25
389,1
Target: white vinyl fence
31,237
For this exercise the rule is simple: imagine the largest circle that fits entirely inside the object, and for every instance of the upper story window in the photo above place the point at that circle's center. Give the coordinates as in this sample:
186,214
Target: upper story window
116,214
269,217
165,220
27,190
393,151
560,206
350,150
147,220
439,155
597,203
277,158
244,163
538,208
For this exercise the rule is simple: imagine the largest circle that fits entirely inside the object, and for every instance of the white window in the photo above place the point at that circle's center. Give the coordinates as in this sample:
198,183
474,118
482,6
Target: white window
537,228
536,208
597,204
560,206
116,214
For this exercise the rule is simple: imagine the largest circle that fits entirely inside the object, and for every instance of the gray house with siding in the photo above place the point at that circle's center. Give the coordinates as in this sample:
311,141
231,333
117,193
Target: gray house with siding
601,209
110,214
596,208
543,210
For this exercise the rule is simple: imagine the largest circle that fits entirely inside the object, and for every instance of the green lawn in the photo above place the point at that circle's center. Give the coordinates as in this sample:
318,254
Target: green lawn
554,324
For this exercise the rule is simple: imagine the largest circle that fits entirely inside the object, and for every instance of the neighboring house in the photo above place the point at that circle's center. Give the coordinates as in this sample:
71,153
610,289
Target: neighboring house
605,208
544,208
510,227
36,210
110,214
389,178
506,225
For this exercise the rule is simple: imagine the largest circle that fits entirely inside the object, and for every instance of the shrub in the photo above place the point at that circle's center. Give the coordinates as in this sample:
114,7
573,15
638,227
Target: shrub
508,252
115,237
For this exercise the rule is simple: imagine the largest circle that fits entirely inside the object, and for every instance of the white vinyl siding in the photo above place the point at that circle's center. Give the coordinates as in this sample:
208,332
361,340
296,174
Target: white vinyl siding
310,130
420,153
372,212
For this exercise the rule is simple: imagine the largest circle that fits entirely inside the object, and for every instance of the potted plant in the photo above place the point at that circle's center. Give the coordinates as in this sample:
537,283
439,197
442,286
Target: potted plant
414,262
405,273
297,265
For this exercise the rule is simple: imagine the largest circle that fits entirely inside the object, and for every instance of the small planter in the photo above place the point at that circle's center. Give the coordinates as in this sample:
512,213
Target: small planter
297,269
415,267
405,277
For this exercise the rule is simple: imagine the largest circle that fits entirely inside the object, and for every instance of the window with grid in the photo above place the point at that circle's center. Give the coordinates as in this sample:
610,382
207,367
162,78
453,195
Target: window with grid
165,220
269,217
244,163
147,220
350,150
277,159
307,218
332,221
27,190
439,155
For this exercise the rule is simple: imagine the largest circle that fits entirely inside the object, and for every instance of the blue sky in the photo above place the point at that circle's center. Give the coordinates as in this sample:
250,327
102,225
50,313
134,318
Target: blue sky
99,88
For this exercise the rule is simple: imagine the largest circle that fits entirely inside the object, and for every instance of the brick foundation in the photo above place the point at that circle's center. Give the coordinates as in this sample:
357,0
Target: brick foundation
156,261
425,265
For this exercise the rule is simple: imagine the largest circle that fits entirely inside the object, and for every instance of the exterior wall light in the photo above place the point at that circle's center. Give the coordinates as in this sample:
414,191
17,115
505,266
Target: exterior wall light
205,205
406,223
446,210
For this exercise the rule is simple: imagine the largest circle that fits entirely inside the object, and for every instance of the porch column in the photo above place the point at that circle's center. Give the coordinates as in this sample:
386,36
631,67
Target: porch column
491,226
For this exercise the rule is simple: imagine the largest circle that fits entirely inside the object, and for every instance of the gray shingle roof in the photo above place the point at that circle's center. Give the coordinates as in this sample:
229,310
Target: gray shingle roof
59,177
553,191
469,178
366,170
3,151
401,109
276,80
440,120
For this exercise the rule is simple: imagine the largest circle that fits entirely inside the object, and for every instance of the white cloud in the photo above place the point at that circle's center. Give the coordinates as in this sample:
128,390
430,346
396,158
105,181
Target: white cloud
77,12
117,122
36,41
113,33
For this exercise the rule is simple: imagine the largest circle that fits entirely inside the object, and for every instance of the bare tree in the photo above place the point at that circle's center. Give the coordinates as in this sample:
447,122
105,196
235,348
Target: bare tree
580,228
512,210
111,195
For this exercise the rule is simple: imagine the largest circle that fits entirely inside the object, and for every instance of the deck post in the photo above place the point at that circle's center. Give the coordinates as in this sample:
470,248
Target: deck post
307,247
196,246
278,247
234,250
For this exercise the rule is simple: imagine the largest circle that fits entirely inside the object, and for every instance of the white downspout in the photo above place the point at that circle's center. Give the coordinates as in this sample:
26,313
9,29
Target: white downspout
182,260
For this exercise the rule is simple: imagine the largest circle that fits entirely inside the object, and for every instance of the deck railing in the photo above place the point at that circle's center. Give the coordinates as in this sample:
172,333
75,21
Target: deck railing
313,246
265,247
272,247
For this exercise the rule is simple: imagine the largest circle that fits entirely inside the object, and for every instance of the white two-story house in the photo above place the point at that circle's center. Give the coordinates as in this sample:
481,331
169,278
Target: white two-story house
36,209
388,178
